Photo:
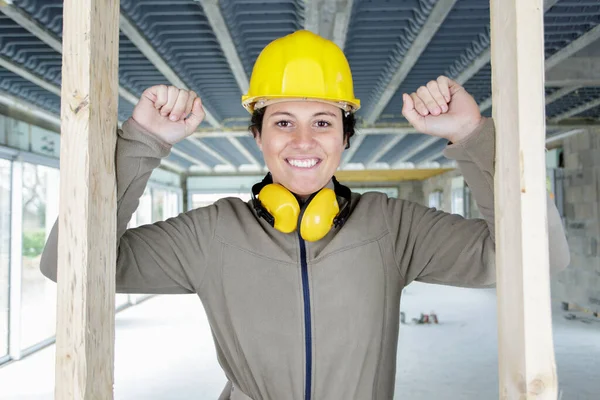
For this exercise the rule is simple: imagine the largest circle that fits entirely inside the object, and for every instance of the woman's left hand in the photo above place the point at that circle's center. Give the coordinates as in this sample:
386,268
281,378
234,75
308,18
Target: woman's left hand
442,108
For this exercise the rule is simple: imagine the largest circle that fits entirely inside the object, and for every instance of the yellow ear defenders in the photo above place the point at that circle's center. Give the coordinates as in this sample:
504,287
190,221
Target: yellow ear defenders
281,209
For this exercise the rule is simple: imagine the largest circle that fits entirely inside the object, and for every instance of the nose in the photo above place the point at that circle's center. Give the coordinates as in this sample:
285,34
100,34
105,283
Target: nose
304,138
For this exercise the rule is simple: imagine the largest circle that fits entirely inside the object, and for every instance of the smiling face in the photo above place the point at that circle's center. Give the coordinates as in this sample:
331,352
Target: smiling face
302,144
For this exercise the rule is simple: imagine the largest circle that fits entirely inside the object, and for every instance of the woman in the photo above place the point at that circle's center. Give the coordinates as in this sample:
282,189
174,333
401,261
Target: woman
306,310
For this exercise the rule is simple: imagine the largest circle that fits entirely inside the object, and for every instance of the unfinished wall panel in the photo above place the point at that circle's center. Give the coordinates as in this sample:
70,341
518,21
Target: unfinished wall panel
580,283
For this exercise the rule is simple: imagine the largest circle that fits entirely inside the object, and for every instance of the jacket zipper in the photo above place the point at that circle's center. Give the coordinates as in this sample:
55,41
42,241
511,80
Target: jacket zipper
307,320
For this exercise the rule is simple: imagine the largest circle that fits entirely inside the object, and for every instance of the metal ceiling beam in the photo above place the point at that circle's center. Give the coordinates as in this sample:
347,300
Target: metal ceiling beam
354,145
169,165
30,24
433,23
30,109
311,15
560,93
485,104
588,82
583,71
35,112
384,149
341,23
200,165
27,22
36,80
563,135
576,45
576,110
56,90
573,124
25,74
211,8
548,4
328,18
485,57
219,27
488,102
242,149
139,41
204,147
415,150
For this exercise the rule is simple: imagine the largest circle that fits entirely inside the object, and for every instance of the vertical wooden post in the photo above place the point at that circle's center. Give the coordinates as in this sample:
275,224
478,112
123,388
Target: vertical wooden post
87,221
526,353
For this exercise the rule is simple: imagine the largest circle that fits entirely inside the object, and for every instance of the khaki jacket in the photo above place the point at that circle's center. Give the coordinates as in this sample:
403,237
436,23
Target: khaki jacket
298,320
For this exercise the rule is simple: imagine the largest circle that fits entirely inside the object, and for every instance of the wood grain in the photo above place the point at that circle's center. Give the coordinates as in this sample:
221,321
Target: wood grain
526,353
87,212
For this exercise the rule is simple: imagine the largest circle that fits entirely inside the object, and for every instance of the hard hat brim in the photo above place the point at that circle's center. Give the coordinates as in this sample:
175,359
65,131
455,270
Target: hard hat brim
252,103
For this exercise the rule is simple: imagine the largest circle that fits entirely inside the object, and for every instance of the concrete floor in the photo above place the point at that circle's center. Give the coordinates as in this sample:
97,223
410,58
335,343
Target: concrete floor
164,350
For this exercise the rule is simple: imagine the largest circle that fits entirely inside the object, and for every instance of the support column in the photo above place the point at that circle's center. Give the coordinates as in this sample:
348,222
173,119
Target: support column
87,219
16,260
526,354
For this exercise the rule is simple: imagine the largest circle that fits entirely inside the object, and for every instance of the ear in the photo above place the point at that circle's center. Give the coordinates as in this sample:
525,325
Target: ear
257,139
345,143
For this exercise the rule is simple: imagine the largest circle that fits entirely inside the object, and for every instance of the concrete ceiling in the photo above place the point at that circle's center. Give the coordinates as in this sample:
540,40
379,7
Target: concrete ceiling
210,46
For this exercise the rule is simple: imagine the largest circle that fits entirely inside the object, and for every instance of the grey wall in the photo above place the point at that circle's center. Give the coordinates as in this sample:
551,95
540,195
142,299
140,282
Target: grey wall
580,283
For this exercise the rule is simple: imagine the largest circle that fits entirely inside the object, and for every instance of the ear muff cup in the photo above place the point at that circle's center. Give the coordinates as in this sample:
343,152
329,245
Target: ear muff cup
282,205
316,220
280,208
318,216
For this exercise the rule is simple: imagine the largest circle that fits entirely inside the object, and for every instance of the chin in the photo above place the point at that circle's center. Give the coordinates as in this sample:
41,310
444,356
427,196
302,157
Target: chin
304,187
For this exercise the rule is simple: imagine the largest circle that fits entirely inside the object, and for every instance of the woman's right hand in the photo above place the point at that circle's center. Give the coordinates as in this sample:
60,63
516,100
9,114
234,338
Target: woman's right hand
169,113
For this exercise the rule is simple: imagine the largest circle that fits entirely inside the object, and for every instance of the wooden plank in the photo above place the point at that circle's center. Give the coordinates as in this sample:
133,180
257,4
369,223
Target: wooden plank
87,212
527,367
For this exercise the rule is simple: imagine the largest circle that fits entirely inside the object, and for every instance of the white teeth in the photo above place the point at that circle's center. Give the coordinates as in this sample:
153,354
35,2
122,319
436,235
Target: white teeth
303,163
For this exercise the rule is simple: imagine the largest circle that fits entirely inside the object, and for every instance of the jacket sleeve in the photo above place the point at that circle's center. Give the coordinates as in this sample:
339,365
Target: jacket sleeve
164,257
437,247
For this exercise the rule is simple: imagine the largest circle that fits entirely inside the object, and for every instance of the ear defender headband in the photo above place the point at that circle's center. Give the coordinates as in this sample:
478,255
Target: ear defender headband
280,208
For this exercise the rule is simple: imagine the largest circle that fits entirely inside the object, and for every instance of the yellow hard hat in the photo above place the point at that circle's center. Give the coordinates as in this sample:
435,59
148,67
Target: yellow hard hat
301,66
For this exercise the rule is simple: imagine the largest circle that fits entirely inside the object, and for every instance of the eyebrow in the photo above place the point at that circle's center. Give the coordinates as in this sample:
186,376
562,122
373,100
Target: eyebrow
325,113
328,113
281,113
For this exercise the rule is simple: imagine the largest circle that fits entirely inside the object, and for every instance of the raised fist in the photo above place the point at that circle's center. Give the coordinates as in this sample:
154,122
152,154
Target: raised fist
170,113
442,108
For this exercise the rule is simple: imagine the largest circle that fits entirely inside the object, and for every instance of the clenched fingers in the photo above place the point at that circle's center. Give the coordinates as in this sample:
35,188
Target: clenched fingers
196,116
435,91
444,85
172,95
190,104
419,104
430,99
161,93
180,105
410,112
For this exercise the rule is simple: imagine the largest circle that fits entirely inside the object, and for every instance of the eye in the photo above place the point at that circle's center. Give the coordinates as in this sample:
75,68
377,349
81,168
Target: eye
283,124
323,124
